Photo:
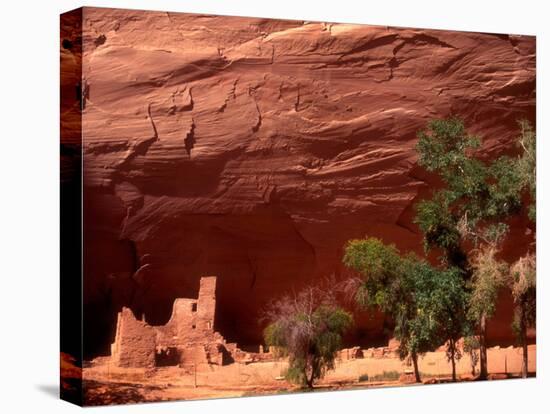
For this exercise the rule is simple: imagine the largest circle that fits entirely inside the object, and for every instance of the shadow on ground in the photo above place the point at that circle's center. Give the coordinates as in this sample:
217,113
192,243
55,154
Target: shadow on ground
51,390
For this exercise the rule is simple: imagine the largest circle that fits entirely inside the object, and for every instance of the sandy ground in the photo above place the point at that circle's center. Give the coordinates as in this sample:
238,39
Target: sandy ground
106,384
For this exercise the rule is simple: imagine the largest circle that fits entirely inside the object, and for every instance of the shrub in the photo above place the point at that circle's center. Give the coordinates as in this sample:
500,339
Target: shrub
307,328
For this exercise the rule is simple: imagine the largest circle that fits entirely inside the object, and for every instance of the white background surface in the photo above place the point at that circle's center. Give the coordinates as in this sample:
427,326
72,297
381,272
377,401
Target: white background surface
29,206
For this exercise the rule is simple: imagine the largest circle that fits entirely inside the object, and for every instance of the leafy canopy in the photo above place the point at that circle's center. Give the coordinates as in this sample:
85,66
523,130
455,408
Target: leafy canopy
308,328
476,195
426,303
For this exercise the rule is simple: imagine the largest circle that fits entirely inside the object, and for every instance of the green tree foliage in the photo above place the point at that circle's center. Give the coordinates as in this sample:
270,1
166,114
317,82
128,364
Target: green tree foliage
442,296
308,328
472,205
430,305
426,303
476,195
382,268
488,277
523,284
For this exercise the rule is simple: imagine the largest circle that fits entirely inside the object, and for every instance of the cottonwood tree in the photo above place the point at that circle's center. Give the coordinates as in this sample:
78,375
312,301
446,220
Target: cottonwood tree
526,164
488,278
450,302
441,302
475,197
472,205
307,327
523,277
471,347
384,285
427,304
523,284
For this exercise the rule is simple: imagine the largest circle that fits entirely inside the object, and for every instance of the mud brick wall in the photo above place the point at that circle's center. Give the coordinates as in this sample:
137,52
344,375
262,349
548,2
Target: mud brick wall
189,332
135,342
206,304
183,319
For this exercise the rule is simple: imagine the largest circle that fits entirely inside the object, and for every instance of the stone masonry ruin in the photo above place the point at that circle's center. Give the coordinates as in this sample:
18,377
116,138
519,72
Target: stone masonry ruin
187,339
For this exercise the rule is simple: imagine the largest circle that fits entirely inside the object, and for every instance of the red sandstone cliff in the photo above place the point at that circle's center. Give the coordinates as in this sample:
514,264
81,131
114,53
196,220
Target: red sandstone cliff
252,149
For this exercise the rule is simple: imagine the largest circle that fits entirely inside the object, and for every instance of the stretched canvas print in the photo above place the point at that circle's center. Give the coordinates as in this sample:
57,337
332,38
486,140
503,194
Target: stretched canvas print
253,206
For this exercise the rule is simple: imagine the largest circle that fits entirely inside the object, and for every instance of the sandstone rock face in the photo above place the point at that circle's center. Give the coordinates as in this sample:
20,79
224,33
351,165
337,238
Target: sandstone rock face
253,149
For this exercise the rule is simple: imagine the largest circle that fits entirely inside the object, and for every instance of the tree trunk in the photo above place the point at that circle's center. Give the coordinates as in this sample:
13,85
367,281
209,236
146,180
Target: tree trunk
524,364
309,380
523,339
482,348
414,358
452,346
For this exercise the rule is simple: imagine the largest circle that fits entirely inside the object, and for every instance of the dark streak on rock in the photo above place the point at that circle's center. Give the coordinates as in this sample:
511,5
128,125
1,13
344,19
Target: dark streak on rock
155,132
101,39
258,123
190,139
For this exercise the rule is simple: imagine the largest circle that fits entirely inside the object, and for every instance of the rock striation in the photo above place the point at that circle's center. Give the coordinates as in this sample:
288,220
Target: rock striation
253,149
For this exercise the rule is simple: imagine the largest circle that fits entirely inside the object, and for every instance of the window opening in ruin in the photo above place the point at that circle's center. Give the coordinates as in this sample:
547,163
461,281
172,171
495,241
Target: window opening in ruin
194,326
194,307
167,357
